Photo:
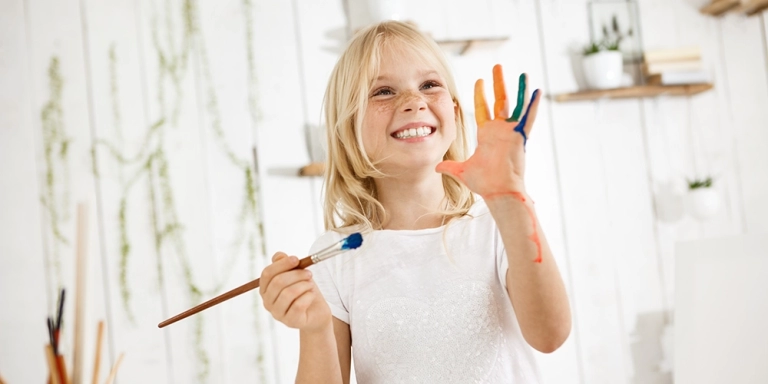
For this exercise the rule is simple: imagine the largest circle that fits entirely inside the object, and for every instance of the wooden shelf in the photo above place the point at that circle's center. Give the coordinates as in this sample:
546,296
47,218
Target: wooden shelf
636,91
748,7
465,44
312,169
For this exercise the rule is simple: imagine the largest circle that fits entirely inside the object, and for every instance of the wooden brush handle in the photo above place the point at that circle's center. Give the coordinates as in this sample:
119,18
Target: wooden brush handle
303,263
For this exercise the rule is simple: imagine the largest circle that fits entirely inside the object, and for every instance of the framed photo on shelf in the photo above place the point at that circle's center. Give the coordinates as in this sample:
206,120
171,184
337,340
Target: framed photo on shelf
617,22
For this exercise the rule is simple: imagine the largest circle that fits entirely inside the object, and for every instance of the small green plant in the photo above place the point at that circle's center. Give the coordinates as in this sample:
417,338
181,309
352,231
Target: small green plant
698,183
592,48
611,40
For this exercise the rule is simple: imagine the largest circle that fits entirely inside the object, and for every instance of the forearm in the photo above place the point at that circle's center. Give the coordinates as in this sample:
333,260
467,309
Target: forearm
318,357
534,284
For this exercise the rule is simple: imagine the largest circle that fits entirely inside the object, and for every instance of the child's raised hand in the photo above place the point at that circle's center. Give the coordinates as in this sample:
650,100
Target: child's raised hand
498,164
291,295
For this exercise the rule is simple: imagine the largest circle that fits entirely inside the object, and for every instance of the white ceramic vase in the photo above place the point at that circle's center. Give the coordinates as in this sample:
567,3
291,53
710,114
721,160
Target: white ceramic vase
383,10
604,69
704,203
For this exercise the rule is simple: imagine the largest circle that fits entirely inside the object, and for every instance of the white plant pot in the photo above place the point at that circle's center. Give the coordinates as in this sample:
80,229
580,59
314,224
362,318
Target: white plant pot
604,70
383,10
704,203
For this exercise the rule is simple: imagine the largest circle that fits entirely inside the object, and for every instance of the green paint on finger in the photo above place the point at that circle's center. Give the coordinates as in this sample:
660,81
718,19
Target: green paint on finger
520,99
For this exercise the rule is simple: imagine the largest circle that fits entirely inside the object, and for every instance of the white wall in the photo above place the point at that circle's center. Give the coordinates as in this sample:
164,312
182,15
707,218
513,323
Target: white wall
252,74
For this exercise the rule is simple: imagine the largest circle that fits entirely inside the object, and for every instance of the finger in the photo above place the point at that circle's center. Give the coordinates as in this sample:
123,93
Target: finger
281,282
481,109
281,264
289,295
300,305
529,118
501,105
522,84
451,168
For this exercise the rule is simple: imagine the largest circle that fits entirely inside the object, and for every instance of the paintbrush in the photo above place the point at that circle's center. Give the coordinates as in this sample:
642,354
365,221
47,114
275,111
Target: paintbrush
51,330
350,242
57,322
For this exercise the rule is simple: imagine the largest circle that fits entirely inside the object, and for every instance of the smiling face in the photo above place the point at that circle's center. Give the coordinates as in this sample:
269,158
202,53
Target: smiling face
410,120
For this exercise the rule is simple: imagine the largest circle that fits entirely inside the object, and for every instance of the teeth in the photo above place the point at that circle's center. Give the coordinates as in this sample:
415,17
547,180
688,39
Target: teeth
414,132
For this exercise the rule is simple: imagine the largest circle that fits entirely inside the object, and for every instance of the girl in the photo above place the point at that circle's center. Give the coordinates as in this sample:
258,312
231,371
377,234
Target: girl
455,281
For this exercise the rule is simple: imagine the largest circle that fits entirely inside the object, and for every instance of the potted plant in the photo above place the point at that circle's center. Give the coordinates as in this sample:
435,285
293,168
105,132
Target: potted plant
603,62
703,199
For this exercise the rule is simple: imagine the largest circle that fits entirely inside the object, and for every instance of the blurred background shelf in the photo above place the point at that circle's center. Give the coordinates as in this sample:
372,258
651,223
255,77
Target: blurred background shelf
312,169
748,7
636,91
461,46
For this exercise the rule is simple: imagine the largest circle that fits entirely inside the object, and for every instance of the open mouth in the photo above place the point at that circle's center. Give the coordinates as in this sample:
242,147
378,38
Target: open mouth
413,133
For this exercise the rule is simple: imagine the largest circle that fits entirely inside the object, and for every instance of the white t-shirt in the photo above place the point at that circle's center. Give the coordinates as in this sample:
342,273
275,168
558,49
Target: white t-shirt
428,306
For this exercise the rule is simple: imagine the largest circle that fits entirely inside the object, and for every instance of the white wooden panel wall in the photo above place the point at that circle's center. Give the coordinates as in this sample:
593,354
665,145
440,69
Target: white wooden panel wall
252,73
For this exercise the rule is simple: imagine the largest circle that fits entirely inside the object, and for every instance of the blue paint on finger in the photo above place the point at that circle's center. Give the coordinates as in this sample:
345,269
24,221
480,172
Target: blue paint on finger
521,126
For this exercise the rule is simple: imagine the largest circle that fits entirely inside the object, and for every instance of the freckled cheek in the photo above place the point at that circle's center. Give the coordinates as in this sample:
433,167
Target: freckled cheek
445,110
375,127
384,108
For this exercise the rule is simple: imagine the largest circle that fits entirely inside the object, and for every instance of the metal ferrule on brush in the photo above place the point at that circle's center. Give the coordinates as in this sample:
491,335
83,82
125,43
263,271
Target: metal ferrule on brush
329,252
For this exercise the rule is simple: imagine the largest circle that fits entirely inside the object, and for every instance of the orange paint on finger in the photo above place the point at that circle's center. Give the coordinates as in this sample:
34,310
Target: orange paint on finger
535,235
499,92
481,109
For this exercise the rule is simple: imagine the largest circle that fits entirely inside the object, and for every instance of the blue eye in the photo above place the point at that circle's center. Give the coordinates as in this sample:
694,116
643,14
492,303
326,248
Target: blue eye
430,84
382,92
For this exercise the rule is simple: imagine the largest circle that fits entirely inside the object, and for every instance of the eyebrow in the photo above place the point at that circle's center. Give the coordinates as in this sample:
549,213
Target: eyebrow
422,73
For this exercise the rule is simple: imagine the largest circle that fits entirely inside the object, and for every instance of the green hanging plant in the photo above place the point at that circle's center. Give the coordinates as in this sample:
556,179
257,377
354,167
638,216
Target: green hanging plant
700,183
149,167
55,191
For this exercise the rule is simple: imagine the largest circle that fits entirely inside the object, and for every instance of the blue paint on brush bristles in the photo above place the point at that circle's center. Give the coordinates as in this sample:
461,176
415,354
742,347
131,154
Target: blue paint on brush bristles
352,241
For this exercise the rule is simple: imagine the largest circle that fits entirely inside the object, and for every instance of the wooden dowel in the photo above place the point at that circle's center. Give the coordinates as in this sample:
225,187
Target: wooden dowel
113,371
80,293
97,358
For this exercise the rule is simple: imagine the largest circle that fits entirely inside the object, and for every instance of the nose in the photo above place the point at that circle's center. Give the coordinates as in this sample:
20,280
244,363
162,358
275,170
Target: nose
412,101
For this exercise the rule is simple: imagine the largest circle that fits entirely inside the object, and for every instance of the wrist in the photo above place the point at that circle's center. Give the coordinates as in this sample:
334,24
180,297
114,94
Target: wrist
506,195
318,331
508,202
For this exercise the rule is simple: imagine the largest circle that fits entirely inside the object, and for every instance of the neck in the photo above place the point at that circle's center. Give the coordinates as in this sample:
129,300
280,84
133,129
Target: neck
412,200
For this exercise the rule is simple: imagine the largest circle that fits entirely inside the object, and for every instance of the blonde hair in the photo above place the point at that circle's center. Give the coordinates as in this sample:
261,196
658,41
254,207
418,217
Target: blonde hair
350,199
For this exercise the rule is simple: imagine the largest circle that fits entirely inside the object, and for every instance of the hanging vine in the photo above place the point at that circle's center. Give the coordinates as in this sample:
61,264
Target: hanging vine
150,165
255,191
55,195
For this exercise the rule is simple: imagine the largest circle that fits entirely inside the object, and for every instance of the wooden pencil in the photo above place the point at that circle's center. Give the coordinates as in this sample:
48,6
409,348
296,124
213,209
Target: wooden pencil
97,358
62,365
52,365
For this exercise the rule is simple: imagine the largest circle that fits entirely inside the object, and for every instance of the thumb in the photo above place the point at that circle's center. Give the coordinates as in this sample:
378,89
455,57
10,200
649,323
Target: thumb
451,168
